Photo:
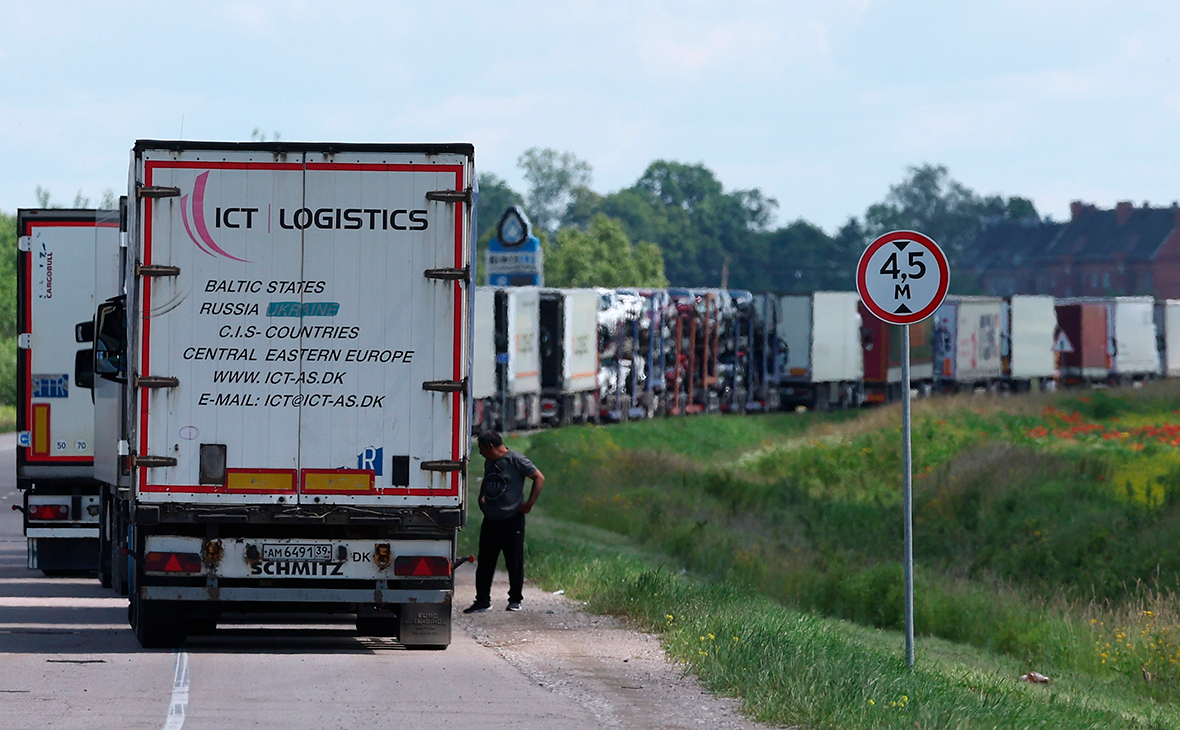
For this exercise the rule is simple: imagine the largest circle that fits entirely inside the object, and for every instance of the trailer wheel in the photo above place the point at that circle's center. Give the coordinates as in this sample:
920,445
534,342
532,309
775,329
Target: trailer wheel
120,574
158,624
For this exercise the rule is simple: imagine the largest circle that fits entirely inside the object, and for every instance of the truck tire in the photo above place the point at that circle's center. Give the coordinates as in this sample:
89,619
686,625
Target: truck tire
376,625
158,624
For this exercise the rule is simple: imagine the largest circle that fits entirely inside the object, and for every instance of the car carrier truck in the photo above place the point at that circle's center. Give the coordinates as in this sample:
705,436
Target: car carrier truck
57,276
282,387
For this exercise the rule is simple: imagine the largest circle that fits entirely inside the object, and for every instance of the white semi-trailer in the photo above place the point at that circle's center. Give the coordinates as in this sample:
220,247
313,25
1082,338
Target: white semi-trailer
568,348
57,278
1026,346
283,388
967,343
820,335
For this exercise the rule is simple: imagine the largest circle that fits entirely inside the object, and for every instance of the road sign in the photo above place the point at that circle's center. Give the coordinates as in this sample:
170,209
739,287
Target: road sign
902,277
514,256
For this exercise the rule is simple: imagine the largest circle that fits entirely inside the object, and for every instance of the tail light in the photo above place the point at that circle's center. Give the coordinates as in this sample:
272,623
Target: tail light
164,562
421,566
49,512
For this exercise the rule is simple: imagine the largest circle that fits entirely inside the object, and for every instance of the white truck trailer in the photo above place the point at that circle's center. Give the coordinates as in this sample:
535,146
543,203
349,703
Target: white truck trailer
56,281
283,388
967,343
820,334
1136,353
485,410
1026,344
568,348
518,356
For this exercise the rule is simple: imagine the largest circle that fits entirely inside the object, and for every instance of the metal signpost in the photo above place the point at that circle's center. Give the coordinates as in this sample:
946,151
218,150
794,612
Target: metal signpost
902,277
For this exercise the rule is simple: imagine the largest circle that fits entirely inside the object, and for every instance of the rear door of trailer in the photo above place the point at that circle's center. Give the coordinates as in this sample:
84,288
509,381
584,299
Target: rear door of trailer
580,365
56,282
314,358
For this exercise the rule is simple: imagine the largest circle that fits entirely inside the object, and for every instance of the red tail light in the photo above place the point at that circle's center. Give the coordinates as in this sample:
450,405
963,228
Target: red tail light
155,562
49,512
421,566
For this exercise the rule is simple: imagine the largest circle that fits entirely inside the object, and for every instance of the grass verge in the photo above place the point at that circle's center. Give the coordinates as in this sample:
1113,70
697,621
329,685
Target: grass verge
791,667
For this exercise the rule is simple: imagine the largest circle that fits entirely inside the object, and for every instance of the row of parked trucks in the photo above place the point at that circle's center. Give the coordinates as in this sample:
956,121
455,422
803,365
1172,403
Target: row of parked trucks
550,356
251,387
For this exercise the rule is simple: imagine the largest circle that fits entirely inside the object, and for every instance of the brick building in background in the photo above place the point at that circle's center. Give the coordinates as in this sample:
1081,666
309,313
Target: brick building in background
1125,251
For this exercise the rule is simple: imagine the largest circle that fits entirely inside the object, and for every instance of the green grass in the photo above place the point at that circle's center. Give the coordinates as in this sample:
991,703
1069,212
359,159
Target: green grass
796,668
7,419
1045,526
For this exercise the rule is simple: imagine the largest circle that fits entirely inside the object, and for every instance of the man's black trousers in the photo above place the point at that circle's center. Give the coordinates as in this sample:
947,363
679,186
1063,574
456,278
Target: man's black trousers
495,536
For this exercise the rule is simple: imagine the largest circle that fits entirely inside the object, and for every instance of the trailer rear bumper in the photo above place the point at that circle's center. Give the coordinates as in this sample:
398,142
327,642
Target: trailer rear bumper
295,595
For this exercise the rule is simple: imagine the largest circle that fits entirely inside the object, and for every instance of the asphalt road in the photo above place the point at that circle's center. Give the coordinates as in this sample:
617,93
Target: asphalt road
69,660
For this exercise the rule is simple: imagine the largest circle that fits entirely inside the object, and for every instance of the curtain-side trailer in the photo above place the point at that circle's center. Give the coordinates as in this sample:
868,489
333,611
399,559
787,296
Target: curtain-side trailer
967,342
63,256
287,381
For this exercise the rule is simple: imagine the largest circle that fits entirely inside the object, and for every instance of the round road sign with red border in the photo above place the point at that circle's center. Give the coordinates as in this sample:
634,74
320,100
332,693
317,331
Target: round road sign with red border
902,277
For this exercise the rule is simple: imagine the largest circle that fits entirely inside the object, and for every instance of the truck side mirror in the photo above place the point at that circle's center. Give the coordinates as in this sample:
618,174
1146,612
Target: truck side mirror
110,343
84,331
84,368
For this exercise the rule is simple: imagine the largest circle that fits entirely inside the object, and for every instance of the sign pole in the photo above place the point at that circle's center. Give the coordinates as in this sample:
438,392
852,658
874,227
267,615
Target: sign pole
902,279
907,495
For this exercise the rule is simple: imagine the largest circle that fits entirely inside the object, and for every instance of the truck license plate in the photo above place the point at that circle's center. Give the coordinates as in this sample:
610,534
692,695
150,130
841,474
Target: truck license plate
315,552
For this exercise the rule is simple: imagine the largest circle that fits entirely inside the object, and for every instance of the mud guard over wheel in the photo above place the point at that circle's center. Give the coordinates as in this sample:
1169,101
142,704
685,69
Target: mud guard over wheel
424,625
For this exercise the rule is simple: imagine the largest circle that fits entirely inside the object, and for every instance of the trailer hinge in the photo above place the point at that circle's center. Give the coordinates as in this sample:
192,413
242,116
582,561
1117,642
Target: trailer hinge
450,196
463,274
156,270
446,386
444,465
157,191
24,243
152,462
24,341
156,381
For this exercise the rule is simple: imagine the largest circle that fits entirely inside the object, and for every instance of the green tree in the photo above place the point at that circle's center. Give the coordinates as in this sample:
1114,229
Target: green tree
552,177
8,328
495,197
601,255
931,202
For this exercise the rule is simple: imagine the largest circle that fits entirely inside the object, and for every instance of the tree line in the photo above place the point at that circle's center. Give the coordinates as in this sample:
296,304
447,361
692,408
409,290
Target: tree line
677,225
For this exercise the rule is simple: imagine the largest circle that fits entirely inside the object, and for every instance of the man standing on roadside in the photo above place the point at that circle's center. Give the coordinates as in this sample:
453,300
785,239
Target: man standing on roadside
501,498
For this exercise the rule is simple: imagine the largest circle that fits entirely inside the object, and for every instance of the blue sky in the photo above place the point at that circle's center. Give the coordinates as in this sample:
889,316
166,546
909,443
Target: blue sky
821,105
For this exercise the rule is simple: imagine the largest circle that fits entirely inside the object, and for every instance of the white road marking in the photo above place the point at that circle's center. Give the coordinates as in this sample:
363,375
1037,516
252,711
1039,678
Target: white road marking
179,703
62,627
60,602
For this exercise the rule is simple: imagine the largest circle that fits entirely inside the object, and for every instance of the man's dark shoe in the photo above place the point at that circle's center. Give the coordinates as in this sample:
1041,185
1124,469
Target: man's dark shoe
478,608
514,606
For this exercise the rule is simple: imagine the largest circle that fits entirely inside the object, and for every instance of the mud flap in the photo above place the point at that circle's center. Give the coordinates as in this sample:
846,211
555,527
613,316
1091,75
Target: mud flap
425,624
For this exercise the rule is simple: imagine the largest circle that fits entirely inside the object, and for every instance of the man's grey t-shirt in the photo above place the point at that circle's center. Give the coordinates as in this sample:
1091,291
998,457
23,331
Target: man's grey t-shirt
502,490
